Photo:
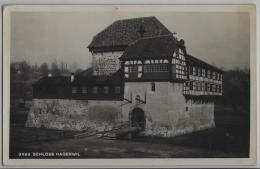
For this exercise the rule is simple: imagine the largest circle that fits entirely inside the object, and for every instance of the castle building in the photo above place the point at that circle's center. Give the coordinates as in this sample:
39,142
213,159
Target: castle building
142,72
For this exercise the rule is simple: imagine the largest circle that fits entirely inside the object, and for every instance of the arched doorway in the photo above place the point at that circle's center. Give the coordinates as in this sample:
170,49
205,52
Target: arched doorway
138,118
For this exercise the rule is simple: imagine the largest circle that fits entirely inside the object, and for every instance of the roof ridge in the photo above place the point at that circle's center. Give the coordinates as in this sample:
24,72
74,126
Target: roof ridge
136,18
152,37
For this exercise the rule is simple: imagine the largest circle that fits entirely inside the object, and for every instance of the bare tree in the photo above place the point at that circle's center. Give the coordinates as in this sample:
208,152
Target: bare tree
55,69
44,69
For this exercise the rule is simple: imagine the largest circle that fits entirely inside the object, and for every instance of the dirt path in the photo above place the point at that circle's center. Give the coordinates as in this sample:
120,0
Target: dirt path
94,147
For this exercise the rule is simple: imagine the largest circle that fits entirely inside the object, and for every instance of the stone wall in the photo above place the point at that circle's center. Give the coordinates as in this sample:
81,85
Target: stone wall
106,63
74,114
187,115
167,111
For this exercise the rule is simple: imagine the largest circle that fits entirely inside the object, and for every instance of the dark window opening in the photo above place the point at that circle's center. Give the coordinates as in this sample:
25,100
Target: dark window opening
95,90
191,85
84,90
74,90
117,89
106,90
153,87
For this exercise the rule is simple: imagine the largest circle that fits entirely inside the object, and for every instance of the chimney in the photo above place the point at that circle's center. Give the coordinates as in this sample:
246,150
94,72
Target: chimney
49,75
72,77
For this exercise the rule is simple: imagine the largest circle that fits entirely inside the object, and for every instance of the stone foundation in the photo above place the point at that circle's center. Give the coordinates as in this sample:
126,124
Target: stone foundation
73,114
167,112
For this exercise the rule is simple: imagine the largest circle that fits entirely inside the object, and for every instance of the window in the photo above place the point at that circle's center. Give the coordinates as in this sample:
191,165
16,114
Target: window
147,62
199,72
190,69
117,89
126,69
95,90
209,74
191,85
194,70
106,90
84,90
165,61
139,75
203,86
74,90
217,88
199,86
211,87
213,75
203,72
140,68
126,75
133,68
174,54
153,86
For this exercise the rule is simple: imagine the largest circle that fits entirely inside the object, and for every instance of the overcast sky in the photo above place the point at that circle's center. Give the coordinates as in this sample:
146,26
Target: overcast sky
222,39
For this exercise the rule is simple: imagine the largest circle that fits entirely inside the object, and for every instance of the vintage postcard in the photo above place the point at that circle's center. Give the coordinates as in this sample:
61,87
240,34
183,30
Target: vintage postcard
129,85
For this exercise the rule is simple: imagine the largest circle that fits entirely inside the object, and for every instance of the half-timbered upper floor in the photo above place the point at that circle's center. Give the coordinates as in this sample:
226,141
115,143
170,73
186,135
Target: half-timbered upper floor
160,58
164,58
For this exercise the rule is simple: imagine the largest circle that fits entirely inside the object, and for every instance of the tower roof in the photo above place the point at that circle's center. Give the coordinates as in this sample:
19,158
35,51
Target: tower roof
123,32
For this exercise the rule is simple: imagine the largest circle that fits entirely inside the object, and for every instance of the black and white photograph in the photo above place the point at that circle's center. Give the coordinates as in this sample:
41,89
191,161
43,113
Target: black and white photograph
134,82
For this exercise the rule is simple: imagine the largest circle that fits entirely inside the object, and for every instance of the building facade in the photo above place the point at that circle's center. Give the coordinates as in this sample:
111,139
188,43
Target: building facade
142,75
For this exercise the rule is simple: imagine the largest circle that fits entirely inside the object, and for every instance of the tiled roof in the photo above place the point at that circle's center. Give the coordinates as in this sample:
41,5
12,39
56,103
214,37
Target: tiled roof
88,79
54,80
114,79
124,32
191,60
152,47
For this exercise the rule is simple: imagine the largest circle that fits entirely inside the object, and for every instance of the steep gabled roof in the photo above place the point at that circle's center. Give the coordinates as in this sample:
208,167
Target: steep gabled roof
153,47
124,32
